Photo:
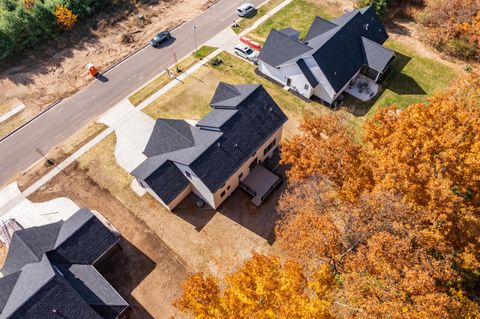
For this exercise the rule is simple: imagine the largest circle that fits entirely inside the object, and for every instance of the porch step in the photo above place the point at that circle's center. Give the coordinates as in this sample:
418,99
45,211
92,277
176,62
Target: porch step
286,88
257,201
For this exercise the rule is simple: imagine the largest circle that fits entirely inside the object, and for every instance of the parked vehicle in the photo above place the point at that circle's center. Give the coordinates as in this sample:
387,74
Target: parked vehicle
246,52
159,38
246,9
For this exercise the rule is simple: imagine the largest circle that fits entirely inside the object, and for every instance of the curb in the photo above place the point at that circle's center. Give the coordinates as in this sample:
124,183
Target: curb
3,138
48,108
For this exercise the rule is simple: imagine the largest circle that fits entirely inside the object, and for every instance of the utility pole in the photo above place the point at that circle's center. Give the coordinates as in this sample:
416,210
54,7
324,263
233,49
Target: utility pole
49,161
195,37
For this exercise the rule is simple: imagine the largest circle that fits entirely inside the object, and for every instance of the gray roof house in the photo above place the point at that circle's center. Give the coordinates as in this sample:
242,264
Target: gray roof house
49,272
212,157
331,55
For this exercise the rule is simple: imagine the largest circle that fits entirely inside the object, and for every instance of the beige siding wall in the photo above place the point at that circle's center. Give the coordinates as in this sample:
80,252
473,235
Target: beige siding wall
234,180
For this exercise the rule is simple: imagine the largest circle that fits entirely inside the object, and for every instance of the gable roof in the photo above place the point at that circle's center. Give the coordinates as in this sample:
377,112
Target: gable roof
26,247
279,48
377,56
257,119
39,287
168,136
216,118
167,182
337,46
243,117
319,26
291,33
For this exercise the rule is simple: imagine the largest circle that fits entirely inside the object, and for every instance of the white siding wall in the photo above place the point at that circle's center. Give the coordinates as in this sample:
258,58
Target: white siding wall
198,187
233,181
323,90
174,202
201,190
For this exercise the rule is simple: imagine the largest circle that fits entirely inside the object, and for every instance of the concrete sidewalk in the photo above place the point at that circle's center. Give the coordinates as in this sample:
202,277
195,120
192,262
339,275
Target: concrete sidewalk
126,111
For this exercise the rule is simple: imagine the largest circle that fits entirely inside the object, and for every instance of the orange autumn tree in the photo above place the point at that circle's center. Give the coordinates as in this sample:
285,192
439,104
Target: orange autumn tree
430,153
65,17
372,245
262,288
327,148
452,26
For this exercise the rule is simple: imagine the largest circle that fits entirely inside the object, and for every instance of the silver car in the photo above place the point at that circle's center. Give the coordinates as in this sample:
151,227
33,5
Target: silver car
246,52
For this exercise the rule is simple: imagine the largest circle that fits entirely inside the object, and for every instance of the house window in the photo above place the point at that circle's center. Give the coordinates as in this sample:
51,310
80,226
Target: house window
188,174
228,187
240,176
222,194
265,151
307,87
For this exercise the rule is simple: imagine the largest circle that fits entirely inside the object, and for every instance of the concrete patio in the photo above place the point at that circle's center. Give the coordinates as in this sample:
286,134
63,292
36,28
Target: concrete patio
363,88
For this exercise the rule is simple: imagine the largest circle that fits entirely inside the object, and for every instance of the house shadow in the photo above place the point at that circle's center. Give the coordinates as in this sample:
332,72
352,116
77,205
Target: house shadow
394,80
239,208
125,270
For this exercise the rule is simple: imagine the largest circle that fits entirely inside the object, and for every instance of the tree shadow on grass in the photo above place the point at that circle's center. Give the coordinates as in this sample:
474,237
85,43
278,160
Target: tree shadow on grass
125,270
395,80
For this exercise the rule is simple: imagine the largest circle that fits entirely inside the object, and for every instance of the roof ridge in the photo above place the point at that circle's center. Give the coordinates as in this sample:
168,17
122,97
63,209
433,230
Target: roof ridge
58,244
176,131
295,40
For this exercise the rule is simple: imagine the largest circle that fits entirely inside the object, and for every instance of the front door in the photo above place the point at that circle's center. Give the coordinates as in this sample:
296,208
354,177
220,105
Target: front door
289,82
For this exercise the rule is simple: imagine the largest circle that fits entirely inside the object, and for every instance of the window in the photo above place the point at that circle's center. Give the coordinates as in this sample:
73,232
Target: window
274,142
240,176
222,194
228,187
188,174
307,87
265,151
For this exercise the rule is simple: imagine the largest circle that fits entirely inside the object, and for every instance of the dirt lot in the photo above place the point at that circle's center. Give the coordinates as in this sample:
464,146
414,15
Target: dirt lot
146,271
161,247
3,253
56,70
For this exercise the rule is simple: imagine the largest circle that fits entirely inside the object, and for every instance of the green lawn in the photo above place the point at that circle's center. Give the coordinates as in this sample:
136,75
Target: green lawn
298,14
163,79
190,100
412,79
250,20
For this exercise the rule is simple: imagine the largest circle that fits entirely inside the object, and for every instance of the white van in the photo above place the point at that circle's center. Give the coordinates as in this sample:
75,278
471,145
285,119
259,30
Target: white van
245,9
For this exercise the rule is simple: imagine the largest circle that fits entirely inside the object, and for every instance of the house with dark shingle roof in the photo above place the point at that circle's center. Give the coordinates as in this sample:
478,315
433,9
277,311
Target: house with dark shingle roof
212,157
331,55
49,271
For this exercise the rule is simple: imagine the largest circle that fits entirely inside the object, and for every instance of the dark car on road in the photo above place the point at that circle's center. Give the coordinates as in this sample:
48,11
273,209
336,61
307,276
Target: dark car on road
159,38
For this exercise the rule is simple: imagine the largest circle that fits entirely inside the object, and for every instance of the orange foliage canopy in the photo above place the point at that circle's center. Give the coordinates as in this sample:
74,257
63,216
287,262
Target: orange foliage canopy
65,17
406,243
327,148
430,153
262,288
453,26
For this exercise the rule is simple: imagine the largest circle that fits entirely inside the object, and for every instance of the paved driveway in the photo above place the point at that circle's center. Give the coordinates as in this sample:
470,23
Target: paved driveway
52,128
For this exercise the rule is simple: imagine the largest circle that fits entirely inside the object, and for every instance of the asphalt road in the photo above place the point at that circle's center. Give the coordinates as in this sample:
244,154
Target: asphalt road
17,152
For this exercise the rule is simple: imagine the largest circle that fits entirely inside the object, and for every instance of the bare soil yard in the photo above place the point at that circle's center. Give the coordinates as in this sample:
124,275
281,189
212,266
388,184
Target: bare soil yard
161,247
56,69
146,272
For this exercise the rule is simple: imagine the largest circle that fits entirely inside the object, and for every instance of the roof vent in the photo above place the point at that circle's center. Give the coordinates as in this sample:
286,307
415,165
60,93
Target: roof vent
270,109
218,144
335,73
236,145
366,26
